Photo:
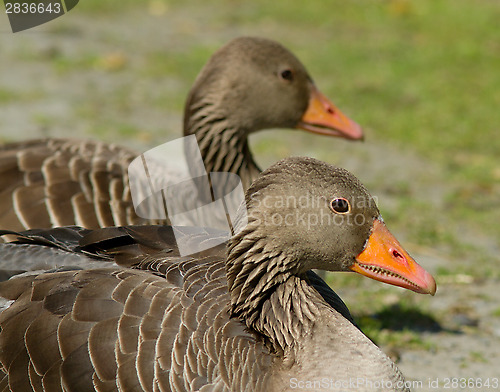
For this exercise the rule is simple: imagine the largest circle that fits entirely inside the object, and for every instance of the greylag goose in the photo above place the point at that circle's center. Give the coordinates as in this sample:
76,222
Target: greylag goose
248,85
249,317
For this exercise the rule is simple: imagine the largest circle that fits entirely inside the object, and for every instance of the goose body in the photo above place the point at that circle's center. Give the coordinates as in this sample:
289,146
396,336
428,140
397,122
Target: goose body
248,85
248,316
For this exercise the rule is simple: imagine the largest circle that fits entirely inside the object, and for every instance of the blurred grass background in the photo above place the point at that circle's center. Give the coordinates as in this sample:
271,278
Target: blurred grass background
422,78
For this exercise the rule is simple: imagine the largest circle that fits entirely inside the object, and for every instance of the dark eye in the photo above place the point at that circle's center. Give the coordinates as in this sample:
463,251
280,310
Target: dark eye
340,205
287,74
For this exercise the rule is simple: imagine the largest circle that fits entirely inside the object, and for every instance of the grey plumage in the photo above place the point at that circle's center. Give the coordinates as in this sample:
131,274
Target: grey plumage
252,319
59,182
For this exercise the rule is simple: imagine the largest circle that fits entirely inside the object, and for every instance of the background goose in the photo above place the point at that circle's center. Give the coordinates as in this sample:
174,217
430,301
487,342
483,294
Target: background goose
248,85
254,319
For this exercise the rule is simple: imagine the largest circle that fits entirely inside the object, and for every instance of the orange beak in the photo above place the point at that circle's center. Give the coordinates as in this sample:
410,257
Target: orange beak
324,118
384,259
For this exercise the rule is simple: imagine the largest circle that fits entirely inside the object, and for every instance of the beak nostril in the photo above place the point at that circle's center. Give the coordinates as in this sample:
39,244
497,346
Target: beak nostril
330,110
397,255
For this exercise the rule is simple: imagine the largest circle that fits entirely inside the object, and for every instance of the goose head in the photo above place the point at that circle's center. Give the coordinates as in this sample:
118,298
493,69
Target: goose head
249,85
255,83
309,214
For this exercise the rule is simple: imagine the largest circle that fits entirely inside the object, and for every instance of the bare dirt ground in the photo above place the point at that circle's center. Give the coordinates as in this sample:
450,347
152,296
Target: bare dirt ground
83,76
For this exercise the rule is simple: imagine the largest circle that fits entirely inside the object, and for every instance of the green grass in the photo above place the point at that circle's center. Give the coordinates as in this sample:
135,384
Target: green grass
108,7
421,75
7,96
397,325
422,72
476,356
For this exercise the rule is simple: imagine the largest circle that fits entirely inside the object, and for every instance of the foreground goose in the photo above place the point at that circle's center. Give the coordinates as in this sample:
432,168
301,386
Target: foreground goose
248,85
252,319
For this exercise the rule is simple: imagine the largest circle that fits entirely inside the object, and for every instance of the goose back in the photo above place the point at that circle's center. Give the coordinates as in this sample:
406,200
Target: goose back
249,316
59,182
248,85
162,325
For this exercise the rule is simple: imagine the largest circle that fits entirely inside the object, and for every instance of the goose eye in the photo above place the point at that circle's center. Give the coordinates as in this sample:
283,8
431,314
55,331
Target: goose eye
287,74
340,205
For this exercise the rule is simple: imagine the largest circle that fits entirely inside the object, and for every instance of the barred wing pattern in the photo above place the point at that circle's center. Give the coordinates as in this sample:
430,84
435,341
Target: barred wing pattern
127,330
58,182
152,321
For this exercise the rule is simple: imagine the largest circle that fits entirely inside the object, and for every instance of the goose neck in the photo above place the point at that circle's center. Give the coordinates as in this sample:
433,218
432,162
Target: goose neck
269,294
224,146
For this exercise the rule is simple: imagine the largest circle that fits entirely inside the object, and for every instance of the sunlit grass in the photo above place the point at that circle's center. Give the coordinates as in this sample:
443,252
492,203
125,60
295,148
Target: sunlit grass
419,74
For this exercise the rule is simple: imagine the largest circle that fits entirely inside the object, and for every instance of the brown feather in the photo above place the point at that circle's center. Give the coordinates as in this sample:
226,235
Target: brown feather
35,379
72,335
128,333
41,342
29,205
145,357
77,372
246,321
102,338
52,379
18,374
128,379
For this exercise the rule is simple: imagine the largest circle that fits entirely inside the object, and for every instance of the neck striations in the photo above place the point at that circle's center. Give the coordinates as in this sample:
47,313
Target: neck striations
223,146
268,292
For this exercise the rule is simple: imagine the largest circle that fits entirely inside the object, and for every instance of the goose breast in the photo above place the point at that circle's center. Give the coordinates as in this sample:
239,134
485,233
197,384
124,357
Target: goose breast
247,316
248,85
